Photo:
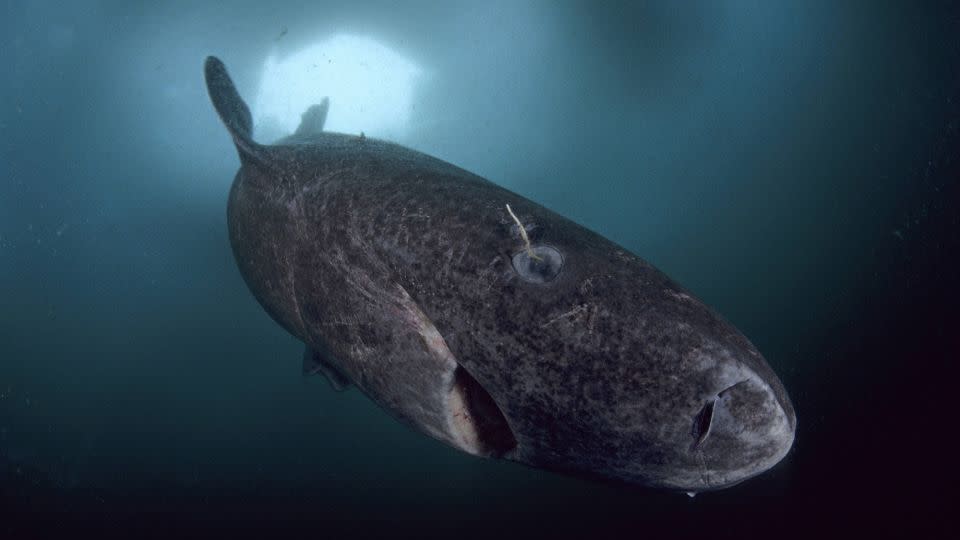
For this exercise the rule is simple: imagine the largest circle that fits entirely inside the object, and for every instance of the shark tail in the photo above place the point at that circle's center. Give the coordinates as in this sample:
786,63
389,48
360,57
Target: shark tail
233,111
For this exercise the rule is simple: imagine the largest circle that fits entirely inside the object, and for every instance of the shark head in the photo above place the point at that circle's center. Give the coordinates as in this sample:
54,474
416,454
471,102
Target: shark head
604,366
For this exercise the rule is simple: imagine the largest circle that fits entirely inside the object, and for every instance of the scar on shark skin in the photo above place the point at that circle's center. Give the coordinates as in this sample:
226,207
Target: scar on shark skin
523,233
570,313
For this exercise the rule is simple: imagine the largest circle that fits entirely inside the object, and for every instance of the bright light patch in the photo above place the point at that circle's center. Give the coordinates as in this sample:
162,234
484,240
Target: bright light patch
369,85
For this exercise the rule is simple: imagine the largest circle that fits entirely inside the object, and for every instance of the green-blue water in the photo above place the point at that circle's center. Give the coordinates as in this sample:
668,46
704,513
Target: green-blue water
794,164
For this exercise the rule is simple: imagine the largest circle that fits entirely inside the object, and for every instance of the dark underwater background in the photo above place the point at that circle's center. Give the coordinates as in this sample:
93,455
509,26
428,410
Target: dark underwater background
795,164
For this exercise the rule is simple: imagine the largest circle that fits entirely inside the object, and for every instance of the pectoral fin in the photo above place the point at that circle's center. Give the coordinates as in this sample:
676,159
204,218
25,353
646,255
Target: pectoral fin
315,362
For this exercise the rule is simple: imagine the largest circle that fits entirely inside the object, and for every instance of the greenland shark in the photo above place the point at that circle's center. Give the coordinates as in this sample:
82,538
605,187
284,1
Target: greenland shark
488,321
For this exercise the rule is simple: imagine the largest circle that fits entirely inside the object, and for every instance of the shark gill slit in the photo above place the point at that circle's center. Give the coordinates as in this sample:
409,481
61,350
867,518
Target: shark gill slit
474,421
479,424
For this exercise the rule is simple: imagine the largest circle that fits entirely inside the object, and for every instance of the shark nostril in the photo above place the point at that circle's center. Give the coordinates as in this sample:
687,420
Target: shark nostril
701,424
704,418
731,387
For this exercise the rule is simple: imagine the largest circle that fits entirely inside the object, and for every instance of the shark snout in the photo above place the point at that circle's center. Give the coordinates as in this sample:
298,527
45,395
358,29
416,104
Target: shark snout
742,430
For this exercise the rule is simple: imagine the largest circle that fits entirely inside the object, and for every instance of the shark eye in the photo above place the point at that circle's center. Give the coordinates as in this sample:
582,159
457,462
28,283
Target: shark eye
539,264
701,424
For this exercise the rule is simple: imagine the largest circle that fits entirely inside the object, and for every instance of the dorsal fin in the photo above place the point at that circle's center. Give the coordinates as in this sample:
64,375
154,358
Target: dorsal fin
232,110
313,119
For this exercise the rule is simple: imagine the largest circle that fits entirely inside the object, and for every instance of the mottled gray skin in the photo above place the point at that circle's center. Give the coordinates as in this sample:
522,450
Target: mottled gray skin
395,269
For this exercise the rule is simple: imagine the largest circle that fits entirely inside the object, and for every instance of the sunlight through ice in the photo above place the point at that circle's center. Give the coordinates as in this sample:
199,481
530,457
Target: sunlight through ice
370,88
